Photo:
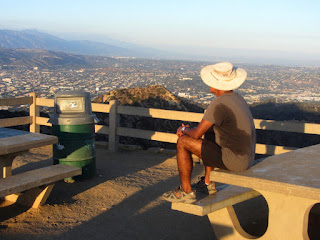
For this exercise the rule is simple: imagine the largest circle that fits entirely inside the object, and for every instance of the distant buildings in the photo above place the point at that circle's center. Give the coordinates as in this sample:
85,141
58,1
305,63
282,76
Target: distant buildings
283,84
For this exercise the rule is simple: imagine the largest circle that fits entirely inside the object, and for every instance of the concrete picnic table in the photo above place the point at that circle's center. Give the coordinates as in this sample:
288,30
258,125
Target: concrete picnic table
14,142
289,183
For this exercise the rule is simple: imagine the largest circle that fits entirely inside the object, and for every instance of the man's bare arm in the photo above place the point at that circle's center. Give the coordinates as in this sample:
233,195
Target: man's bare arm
197,132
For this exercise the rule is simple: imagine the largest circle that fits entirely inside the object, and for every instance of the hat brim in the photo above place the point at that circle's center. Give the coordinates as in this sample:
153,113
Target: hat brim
210,80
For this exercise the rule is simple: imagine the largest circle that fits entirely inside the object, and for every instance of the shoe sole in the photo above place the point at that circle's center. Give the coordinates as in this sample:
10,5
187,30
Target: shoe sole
212,191
204,191
187,201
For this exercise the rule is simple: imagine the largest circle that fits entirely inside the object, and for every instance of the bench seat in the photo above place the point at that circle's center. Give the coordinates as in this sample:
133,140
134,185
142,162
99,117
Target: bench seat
33,187
227,195
219,209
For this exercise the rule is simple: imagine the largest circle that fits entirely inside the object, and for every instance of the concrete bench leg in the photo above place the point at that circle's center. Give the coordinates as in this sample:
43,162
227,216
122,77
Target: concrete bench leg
288,219
33,197
6,165
226,225
288,216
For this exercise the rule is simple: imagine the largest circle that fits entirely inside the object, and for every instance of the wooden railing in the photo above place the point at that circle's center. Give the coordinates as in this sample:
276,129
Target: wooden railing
114,109
9,122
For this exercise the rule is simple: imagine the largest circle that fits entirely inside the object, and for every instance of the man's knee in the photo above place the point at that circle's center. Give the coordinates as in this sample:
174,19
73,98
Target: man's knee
182,141
190,144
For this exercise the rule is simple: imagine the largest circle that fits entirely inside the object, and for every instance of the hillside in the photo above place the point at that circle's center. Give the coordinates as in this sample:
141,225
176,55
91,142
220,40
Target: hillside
40,58
150,97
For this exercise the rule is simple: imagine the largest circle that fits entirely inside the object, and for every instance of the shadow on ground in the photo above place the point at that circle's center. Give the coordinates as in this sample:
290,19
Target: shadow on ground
123,201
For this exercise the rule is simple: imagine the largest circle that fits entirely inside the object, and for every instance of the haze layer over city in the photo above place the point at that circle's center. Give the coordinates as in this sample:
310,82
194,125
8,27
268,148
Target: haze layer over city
167,43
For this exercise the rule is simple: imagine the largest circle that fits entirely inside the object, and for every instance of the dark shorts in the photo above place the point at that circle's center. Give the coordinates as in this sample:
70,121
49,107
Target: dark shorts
211,152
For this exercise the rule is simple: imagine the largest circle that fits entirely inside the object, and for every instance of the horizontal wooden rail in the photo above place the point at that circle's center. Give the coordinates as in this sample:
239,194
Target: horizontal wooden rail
45,102
159,113
15,101
172,138
102,129
16,121
100,107
286,126
271,149
43,121
147,134
98,128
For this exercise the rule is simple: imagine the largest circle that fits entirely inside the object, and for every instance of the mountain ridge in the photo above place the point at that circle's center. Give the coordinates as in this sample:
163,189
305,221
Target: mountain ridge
101,45
32,39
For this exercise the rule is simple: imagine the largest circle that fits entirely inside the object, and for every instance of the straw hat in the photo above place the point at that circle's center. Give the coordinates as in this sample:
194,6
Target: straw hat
223,76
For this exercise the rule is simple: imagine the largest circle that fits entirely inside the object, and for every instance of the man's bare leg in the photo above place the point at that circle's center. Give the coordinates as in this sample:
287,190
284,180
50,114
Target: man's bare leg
185,146
207,171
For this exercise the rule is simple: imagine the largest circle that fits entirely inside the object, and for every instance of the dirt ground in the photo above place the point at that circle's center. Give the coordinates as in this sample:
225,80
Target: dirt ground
123,201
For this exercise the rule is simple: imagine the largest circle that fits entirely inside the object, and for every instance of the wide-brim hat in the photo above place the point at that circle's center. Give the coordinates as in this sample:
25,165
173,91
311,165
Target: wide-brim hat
223,76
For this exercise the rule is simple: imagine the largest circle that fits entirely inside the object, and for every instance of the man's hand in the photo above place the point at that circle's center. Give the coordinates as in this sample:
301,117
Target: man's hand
179,131
197,132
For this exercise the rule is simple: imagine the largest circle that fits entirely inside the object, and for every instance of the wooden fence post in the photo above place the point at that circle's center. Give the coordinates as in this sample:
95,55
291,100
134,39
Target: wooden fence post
114,120
34,113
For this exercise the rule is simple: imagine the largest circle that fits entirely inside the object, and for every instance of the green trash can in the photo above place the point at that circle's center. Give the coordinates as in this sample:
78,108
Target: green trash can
73,124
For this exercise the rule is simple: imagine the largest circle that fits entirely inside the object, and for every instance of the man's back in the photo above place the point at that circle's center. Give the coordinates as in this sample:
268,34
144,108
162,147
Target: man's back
234,130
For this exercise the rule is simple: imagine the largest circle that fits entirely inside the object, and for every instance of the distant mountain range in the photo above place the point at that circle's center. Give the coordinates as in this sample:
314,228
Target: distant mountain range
32,39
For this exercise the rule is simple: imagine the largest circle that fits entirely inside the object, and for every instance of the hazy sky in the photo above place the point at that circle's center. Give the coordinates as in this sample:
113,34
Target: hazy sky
292,26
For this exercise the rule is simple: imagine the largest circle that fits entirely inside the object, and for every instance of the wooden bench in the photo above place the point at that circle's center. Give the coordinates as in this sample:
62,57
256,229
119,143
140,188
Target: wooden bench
32,188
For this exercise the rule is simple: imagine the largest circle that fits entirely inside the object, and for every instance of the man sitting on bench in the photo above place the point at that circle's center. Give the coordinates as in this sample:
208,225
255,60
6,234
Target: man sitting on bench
228,129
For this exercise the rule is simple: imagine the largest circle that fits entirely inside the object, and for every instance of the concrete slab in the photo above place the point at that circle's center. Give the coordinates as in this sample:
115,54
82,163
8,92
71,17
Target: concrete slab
35,178
12,141
227,195
295,173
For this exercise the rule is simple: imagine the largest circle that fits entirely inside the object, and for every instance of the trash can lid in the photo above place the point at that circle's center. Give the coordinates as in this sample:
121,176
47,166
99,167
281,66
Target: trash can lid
72,108
72,94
